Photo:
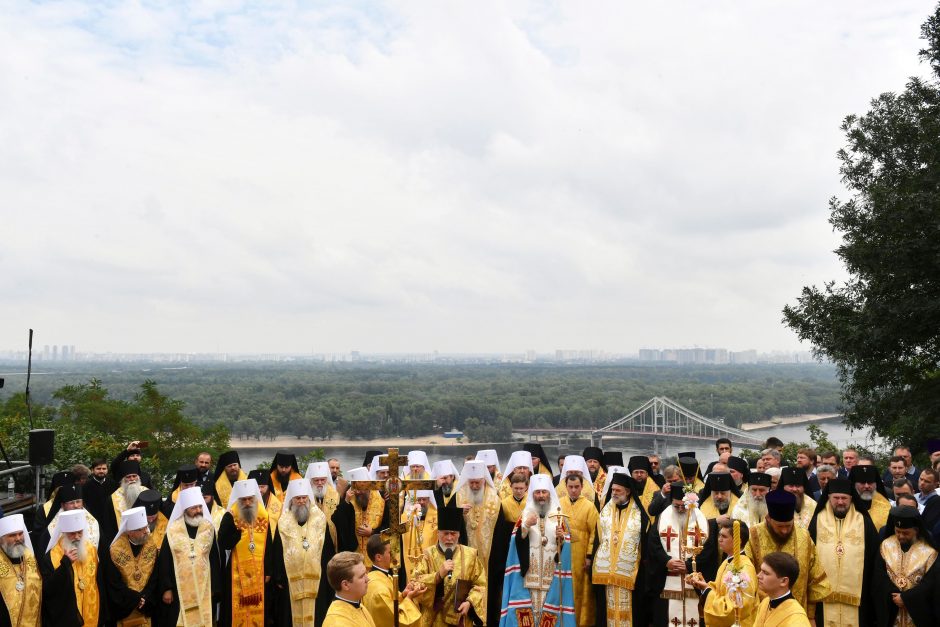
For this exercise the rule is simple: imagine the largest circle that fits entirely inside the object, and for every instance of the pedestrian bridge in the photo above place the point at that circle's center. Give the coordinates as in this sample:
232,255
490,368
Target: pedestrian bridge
656,421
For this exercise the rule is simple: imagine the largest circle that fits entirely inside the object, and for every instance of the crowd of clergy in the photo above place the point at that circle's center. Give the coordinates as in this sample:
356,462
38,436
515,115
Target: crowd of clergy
824,540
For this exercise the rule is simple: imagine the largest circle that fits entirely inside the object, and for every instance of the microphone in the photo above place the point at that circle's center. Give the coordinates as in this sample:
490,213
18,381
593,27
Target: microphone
449,554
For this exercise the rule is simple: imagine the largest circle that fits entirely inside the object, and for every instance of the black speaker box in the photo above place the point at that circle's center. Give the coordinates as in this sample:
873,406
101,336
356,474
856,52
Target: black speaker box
41,447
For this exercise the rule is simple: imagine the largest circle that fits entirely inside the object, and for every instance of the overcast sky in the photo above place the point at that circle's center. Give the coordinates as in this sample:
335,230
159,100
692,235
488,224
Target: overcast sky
460,176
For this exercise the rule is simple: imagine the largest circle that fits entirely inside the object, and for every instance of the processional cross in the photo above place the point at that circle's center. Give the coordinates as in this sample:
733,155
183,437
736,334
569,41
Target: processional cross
394,486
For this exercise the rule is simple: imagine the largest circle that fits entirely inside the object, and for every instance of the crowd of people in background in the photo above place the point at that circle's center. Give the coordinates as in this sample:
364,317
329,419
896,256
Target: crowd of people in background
826,538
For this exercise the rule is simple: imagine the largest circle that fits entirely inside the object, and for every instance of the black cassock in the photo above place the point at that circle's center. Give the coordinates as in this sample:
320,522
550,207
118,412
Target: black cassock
168,614
920,601
96,498
496,569
325,592
59,607
229,535
642,612
866,611
121,599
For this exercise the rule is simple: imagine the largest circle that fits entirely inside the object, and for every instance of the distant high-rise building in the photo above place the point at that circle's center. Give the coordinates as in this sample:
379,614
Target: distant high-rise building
65,353
55,352
45,352
72,351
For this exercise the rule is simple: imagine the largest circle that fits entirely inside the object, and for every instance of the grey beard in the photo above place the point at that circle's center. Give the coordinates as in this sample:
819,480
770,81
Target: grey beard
447,489
722,506
138,541
542,509
682,519
248,514
758,509
192,521
319,492
15,551
477,496
866,496
79,546
301,513
131,492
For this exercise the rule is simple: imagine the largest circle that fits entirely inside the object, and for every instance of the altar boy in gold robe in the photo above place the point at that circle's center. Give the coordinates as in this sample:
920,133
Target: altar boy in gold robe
349,579
380,597
779,608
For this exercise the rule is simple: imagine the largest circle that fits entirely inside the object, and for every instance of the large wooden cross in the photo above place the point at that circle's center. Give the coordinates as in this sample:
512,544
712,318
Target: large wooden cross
394,486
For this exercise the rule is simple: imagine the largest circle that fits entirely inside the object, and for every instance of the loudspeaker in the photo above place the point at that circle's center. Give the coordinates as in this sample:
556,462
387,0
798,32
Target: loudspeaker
41,447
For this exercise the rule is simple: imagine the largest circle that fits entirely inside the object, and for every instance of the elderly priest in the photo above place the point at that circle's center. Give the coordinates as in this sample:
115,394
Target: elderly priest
20,582
244,532
295,557
70,574
130,571
454,577
189,566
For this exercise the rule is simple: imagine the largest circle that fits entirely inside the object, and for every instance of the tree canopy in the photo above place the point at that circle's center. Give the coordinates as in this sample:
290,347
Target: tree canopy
881,327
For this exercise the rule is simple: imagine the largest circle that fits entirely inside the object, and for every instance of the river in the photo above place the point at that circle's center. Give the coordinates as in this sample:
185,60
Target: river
352,456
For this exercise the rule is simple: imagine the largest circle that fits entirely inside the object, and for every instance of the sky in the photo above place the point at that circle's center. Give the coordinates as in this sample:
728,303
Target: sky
406,177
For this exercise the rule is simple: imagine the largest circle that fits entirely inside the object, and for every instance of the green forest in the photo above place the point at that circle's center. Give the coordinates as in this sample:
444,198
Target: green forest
485,401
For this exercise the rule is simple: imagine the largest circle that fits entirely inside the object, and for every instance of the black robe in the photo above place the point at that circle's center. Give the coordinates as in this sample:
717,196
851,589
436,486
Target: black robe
325,592
59,606
121,599
707,562
168,614
920,601
866,611
279,595
96,498
496,568
229,535
642,612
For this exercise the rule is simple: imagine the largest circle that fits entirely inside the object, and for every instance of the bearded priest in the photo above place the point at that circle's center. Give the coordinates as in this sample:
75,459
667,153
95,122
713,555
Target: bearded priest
752,507
327,500
244,532
190,567
20,581
477,497
70,574
295,557
619,551
582,523
130,572
453,576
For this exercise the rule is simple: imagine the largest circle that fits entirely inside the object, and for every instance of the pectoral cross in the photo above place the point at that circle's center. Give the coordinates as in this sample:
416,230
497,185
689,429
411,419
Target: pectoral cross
669,534
393,487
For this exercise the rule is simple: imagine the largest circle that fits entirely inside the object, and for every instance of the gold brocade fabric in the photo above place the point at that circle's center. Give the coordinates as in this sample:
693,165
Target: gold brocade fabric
512,509
804,517
84,582
328,506
711,512
840,545
24,606
223,487
812,586
599,483
342,614
248,570
418,537
193,570
720,605
617,559
276,488
159,531
480,520
303,547
135,571
379,601
467,567
582,524
372,516
788,614
274,506
906,570
117,501
217,513
880,508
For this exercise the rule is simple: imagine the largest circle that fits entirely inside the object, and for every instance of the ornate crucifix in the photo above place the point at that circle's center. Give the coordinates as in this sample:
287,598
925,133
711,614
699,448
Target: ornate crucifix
394,486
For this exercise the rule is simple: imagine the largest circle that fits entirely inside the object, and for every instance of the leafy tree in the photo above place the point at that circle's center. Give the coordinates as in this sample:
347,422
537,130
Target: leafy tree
881,327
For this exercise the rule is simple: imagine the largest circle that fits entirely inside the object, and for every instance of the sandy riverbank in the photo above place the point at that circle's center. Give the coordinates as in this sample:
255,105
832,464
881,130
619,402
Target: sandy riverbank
778,421
286,441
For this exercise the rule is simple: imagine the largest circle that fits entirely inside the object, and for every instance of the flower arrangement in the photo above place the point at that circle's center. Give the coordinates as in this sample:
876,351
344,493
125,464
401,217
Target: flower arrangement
736,582
690,499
